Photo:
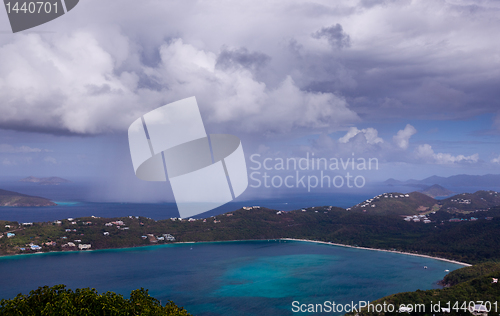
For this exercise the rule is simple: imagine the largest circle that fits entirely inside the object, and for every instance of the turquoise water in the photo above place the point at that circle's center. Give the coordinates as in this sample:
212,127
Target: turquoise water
67,203
229,278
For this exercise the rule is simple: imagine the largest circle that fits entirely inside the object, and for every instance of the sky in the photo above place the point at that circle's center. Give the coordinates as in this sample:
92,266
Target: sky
413,84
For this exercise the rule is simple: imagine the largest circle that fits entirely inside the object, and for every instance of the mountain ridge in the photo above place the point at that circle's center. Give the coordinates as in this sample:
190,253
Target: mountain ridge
487,180
15,199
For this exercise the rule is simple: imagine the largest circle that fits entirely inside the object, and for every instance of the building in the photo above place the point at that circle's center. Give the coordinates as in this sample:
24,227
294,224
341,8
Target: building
106,233
152,238
84,246
36,248
479,310
169,237
10,235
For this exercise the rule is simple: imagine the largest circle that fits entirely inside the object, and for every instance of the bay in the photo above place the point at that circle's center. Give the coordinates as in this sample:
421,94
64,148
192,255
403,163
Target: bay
229,278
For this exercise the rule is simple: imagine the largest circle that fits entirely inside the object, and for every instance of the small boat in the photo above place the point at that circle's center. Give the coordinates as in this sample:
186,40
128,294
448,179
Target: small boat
446,270
425,267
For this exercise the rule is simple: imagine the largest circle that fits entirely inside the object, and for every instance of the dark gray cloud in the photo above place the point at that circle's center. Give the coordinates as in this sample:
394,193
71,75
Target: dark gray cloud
241,57
335,36
425,60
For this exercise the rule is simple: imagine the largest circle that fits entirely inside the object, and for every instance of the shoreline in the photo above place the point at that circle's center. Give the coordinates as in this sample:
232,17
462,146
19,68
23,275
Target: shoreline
240,240
384,250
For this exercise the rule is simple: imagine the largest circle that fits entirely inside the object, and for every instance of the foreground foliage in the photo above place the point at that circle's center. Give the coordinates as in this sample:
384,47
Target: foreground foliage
471,285
59,301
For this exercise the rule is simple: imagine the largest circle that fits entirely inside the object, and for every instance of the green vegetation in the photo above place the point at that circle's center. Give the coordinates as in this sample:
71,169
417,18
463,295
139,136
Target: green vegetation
469,241
469,273
59,301
471,284
436,190
470,202
9,198
397,204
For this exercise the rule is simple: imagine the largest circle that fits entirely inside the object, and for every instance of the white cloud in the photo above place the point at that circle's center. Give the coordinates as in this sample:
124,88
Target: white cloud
402,138
235,96
71,83
7,148
51,160
67,83
370,134
496,160
8,162
426,153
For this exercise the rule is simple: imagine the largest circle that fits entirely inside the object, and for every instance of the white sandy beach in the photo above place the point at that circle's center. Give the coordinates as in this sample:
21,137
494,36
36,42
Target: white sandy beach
385,250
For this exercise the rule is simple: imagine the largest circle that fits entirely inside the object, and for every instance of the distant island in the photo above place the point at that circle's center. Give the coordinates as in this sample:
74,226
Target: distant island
9,198
461,180
45,181
436,191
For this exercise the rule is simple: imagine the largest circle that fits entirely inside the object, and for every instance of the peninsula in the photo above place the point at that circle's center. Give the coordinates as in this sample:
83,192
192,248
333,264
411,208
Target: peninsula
9,198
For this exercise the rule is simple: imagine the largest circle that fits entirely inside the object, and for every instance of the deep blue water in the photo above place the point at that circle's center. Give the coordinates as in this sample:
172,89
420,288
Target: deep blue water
230,278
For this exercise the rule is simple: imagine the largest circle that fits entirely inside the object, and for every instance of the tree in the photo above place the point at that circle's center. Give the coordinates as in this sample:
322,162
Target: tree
59,301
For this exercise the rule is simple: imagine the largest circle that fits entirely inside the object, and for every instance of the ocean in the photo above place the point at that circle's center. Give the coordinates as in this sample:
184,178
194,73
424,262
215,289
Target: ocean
230,278
73,201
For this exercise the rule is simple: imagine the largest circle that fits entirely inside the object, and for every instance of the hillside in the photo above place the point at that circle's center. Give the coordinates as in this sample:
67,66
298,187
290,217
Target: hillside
397,204
472,284
9,198
470,202
436,191
471,241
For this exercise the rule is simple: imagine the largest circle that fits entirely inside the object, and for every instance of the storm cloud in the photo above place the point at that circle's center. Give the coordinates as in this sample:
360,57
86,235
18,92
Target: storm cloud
98,72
